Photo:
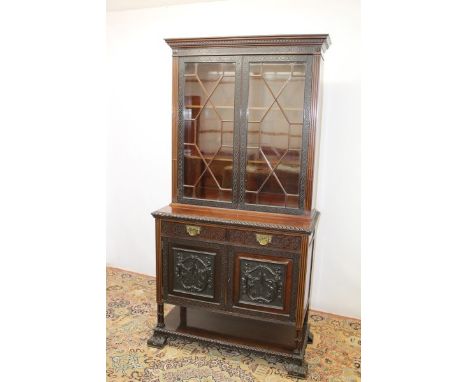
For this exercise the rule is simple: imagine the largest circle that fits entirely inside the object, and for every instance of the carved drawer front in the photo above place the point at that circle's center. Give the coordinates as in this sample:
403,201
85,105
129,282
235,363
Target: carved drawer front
262,282
196,231
266,240
192,273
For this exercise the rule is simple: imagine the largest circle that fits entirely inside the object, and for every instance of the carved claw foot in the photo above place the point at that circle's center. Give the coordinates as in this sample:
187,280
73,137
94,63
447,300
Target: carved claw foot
157,341
298,371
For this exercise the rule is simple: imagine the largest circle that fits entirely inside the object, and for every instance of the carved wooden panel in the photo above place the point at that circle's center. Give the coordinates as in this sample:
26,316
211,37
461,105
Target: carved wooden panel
286,242
262,283
194,272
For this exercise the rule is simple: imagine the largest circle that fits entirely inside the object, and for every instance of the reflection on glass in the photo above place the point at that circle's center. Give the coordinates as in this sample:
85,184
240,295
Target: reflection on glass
274,135
208,130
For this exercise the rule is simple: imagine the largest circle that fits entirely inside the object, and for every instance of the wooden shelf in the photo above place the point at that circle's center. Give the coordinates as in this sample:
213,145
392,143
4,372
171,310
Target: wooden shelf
208,106
249,161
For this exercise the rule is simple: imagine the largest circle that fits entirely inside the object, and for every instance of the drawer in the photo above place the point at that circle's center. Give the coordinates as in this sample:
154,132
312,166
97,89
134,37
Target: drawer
193,273
195,231
265,239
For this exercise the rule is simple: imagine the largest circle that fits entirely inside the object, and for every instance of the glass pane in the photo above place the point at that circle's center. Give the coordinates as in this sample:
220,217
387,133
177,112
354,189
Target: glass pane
274,137
208,130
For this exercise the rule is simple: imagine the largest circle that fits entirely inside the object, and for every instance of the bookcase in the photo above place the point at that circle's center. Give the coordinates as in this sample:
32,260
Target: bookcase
235,247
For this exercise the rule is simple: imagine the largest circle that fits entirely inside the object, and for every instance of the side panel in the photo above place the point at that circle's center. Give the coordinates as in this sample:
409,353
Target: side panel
314,136
175,96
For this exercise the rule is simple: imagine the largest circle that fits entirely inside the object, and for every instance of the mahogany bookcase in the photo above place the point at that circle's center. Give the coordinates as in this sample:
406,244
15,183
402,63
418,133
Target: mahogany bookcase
234,249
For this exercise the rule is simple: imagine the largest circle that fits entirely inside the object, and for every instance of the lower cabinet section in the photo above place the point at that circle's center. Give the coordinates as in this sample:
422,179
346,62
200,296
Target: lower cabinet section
246,281
241,288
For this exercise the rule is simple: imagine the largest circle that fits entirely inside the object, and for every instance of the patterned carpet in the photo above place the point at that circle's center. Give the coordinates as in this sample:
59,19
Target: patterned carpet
335,355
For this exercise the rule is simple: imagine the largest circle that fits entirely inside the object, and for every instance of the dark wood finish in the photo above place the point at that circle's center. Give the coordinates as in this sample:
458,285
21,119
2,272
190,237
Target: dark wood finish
301,287
240,273
289,223
319,40
234,332
159,263
268,287
175,121
192,230
285,313
314,134
161,316
253,238
194,272
183,316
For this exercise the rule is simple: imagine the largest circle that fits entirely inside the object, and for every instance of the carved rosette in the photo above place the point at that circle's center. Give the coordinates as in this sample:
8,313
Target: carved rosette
193,273
262,283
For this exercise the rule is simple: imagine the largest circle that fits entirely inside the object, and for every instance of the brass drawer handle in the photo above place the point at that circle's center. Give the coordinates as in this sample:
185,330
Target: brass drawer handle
263,239
193,230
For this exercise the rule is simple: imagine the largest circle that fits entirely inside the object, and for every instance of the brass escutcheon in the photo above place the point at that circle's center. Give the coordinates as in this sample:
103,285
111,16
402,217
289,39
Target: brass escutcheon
193,230
263,239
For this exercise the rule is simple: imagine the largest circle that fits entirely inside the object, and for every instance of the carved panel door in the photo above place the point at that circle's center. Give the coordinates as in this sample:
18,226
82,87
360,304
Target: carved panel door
263,283
193,273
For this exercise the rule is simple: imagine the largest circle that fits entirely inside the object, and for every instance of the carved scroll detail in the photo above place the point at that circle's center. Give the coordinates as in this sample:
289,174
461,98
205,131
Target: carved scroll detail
194,272
262,283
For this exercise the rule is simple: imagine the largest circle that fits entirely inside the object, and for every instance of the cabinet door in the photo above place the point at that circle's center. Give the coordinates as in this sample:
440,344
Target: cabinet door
275,132
193,273
263,283
208,92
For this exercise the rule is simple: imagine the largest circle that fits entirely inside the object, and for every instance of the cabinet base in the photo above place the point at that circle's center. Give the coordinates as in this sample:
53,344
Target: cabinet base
275,340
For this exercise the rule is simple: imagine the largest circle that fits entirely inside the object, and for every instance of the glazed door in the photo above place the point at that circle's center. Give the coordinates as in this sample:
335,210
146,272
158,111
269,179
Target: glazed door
275,128
209,93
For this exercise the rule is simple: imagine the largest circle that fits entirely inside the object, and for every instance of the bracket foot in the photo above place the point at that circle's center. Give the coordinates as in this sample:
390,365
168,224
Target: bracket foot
298,371
157,341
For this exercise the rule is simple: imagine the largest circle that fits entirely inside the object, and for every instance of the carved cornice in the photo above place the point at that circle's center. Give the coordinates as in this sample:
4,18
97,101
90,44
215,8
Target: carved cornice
320,40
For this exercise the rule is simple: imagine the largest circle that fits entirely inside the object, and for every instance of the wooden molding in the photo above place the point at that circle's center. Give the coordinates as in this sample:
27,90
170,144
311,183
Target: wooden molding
321,40
270,221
